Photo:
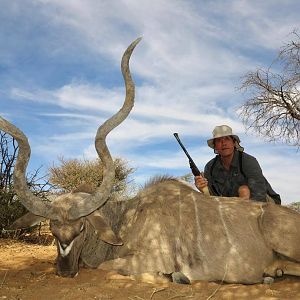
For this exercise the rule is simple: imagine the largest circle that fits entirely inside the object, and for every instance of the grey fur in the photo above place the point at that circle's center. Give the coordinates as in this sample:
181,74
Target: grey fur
174,228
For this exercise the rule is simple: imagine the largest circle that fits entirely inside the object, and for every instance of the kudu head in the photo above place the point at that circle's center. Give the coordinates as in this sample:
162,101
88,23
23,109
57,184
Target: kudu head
70,214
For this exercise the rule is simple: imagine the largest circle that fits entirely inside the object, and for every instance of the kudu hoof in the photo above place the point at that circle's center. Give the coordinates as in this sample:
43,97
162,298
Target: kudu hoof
268,280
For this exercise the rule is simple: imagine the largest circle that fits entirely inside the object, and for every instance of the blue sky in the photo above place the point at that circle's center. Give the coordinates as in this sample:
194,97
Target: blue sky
60,78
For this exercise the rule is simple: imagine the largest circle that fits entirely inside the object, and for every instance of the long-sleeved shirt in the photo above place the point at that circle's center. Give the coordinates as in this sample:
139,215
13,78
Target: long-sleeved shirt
226,183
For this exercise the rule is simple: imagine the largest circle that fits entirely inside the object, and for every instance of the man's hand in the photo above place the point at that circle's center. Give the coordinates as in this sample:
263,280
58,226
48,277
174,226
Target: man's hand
201,183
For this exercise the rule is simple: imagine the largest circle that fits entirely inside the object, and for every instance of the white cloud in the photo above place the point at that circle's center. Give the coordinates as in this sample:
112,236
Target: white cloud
73,96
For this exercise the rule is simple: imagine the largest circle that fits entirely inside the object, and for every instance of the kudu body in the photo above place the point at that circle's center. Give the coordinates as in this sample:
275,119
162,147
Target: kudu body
168,228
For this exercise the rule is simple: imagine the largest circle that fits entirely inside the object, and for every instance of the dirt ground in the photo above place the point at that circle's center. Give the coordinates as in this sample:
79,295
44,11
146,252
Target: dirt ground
27,271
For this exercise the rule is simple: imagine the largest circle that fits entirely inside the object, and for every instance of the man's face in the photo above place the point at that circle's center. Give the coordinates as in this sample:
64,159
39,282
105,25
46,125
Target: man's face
224,145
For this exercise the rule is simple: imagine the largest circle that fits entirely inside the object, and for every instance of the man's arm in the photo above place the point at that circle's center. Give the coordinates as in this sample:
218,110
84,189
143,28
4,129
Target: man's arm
255,179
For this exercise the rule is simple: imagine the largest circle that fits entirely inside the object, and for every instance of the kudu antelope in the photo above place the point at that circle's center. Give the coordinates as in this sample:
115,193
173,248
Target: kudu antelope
168,229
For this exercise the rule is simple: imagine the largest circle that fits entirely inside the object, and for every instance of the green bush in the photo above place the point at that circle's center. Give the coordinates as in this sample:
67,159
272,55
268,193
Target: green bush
10,208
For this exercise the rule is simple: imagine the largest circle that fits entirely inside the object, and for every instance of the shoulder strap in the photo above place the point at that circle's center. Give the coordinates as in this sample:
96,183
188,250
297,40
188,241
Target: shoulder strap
213,165
212,186
241,163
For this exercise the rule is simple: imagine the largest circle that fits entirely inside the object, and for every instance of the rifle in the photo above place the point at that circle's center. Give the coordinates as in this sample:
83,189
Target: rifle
193,166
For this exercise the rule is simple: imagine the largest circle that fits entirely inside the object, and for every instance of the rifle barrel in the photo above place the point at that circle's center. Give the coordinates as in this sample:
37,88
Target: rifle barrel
182,146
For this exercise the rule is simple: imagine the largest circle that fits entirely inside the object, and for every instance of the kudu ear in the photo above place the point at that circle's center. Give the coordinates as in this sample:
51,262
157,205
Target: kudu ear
103,230
28,220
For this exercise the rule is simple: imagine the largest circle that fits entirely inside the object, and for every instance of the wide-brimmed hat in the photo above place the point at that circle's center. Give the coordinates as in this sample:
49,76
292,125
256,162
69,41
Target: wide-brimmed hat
224,130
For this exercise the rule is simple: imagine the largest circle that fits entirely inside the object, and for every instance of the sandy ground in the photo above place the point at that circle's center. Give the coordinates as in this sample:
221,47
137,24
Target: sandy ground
27,271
